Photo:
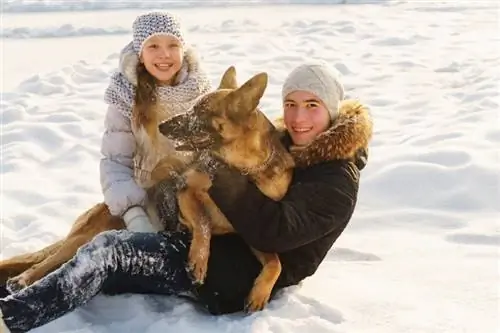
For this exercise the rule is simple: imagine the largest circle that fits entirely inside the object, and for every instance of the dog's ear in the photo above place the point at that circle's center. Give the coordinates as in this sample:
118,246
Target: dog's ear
243,101
228,80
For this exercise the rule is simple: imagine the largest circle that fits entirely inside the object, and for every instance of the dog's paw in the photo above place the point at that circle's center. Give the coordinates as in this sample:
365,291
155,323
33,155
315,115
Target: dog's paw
16,283
258,298
197,273
198,266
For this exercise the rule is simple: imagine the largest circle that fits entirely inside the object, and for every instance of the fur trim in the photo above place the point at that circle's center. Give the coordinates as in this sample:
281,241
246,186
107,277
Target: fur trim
128,64
351,131
129,61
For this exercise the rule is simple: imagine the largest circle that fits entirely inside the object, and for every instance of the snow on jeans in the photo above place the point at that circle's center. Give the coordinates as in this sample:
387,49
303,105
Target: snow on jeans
114,262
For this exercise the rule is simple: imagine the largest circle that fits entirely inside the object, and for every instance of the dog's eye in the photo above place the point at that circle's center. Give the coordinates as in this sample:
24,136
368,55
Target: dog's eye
220,127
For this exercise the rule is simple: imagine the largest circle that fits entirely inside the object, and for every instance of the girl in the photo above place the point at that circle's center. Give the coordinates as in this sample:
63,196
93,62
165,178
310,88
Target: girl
156,67
328,138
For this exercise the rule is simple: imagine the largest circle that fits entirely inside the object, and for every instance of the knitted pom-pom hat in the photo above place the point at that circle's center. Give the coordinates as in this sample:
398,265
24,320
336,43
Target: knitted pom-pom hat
152,24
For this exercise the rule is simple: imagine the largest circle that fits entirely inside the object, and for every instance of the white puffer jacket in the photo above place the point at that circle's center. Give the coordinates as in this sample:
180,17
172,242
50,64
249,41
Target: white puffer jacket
118,146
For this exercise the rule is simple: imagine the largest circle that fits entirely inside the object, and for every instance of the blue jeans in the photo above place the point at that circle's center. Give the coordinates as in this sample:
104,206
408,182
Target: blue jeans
114,262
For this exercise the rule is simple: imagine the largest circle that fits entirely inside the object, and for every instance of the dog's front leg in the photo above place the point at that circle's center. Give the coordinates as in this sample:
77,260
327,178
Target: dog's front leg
264,284
196,221
200,250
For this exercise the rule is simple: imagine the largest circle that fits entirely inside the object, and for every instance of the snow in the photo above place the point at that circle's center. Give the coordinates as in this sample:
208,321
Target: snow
422,251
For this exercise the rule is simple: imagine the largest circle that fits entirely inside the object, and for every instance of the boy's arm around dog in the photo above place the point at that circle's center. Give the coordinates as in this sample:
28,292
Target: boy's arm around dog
320,200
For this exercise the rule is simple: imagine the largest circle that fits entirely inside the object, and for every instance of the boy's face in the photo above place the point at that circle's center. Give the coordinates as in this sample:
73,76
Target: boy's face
306,116
162,56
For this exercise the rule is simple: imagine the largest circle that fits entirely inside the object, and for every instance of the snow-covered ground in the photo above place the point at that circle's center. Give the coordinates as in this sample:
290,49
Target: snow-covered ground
422,251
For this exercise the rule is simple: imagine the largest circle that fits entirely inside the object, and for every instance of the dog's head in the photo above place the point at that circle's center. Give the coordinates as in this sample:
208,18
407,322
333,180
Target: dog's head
219,117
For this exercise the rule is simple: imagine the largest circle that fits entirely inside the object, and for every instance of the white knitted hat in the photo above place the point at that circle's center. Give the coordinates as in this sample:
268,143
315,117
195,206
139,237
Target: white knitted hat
152,24
319,79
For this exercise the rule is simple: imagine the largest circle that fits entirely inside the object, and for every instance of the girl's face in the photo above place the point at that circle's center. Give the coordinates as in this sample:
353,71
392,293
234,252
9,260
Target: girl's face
305,117
162,56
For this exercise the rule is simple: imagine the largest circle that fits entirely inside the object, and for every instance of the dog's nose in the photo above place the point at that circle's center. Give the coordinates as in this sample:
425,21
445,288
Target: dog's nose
176,127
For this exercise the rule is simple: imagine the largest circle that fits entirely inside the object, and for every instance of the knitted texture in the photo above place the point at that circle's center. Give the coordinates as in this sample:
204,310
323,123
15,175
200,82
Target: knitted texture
319,79
152,24
192,83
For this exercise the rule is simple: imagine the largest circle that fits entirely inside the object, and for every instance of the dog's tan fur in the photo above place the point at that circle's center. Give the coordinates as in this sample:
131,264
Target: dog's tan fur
25,269
240,135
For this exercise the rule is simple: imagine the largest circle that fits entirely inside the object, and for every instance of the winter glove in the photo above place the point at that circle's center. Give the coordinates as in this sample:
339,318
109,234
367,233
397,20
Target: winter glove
136,220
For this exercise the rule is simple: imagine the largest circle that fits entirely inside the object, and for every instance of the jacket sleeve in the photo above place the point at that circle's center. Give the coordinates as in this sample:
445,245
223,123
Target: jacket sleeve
116,167
311,208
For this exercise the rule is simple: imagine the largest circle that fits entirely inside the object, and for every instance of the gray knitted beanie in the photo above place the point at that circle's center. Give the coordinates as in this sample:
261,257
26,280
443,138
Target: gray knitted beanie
319,79
155,23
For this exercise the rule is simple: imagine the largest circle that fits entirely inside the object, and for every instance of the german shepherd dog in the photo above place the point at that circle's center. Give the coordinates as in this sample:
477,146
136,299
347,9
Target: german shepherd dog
228,125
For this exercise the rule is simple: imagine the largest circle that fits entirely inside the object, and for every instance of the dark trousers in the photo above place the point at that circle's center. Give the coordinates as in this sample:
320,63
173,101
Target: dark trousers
113,262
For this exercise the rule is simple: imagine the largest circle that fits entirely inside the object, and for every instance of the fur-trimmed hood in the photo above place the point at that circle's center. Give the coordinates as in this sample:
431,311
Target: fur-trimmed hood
347,138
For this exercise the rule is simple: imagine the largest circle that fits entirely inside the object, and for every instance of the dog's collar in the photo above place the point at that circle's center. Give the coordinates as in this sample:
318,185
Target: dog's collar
263,166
